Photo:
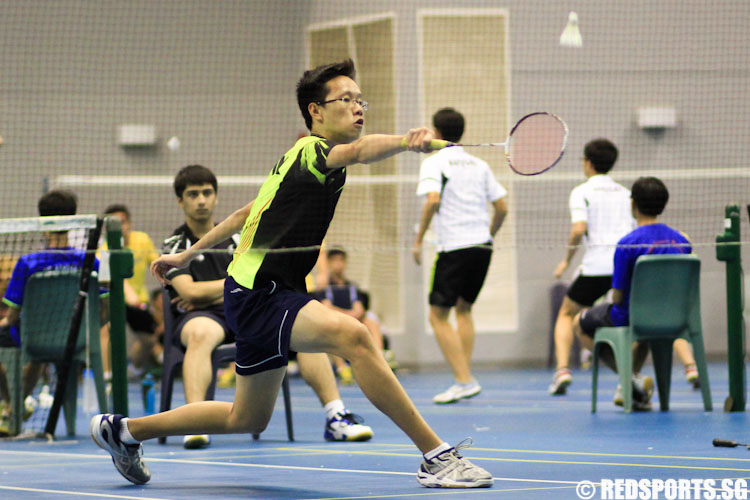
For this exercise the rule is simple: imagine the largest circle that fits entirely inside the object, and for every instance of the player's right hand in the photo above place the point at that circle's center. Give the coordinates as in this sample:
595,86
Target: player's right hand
161,266
419,139
416,252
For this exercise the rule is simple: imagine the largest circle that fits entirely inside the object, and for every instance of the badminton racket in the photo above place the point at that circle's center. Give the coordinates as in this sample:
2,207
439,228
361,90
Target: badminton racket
535,144
724,443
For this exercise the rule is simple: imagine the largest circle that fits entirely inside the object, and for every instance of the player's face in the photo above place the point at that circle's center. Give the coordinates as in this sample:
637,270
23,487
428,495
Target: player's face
342,122
337,265
198,202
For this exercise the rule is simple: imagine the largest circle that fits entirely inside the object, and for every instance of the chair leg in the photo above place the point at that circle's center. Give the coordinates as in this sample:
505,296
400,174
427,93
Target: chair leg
624,362
288,408
661,352
14,369
71,399
594,375
167,383
700,361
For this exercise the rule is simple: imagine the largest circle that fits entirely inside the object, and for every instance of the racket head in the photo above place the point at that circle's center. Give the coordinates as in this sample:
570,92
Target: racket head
536,143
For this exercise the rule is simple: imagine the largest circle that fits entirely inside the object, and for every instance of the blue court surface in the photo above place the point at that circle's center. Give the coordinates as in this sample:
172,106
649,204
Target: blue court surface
536,446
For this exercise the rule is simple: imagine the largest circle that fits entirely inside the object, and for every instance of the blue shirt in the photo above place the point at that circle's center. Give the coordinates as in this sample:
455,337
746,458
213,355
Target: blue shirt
59,258
655,239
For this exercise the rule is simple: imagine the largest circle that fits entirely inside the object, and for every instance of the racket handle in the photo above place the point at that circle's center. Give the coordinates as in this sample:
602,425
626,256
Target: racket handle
434,144
725,444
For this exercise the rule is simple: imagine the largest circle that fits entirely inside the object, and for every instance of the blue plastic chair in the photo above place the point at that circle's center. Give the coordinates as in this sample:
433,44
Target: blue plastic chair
664,306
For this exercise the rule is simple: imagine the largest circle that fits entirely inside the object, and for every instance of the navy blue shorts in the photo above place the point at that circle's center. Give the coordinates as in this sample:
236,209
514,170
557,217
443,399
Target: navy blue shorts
262,322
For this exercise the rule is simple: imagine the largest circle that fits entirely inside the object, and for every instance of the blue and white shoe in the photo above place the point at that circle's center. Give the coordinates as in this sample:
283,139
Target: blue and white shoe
451,470
105,431
346,426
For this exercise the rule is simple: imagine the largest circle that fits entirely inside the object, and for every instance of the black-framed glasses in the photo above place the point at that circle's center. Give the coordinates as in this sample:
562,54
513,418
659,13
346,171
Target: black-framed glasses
348,101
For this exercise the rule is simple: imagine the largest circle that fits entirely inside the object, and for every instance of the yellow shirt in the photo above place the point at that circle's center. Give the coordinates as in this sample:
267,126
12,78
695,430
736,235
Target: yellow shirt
144,253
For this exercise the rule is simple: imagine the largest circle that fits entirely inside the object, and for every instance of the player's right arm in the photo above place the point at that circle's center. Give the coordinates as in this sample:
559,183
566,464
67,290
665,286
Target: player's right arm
376,147
224,230
431,205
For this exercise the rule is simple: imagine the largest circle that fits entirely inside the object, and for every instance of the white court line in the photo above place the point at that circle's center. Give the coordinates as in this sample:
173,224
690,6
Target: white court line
268,466
75,493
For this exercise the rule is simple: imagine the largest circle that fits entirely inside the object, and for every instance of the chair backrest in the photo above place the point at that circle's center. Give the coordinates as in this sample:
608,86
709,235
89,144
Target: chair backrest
47,310
664,296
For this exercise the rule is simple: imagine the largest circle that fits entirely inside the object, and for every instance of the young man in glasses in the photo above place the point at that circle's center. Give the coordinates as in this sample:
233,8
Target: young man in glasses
265,297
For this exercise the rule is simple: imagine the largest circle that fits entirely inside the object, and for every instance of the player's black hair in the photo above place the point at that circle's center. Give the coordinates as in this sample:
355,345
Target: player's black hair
193,175
117,207
650,196
602,154
450,124
312,87
58,202
335,251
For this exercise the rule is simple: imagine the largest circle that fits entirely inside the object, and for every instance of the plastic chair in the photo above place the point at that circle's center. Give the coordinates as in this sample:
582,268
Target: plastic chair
664,306
45,323
174,356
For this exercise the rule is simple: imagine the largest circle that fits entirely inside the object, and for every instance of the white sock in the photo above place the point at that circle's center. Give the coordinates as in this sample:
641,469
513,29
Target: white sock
125,435
437,451
334,407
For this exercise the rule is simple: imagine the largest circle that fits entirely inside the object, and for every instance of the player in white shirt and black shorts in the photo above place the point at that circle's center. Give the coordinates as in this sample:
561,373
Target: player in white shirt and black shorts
600,215
458,187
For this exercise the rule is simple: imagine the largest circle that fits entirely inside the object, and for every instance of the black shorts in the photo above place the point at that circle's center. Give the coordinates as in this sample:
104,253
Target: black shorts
585,290
6,339
593,318
262,322
215,314
459,273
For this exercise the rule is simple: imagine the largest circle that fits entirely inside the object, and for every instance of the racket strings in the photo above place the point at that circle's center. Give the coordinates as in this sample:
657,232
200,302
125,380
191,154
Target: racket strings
536,143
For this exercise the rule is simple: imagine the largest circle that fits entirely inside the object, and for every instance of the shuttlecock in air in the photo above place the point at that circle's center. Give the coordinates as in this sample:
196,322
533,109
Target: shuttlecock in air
571,35
173,144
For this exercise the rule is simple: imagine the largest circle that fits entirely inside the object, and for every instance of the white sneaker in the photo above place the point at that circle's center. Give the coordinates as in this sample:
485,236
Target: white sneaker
643,389
196,441
105,431
457,392
451,470
560,382
346,426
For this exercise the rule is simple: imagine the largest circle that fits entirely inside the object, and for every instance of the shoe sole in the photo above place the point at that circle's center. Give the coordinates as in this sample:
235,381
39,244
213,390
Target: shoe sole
561,388
365,436
196,444
429,482
459,398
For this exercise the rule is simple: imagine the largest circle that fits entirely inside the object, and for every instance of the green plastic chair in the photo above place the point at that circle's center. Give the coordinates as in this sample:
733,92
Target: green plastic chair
45,322
664,306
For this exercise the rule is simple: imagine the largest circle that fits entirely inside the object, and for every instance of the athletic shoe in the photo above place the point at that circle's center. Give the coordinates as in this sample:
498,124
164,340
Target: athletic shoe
457,392
643,389
29,405
451,470
560,382
346,426
4,426
228,379
196,441
691,375
105,431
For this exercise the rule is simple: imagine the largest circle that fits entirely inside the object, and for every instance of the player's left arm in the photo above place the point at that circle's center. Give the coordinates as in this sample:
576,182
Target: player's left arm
12,316
617,296
376,147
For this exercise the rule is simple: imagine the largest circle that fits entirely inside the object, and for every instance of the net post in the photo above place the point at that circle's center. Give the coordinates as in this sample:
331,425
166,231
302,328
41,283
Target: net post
728,250
120,267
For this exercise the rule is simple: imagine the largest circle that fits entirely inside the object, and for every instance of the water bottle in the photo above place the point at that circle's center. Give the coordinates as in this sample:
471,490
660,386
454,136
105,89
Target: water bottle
149,394
89,393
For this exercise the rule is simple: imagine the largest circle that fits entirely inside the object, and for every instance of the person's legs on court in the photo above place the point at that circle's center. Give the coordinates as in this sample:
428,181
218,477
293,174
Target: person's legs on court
341,424
200,335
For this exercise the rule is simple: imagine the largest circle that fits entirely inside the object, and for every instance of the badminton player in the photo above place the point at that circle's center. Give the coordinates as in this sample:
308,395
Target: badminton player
265,300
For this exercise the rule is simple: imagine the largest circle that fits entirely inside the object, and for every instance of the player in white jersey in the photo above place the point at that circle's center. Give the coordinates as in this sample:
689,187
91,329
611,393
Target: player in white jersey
600,215
458,187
